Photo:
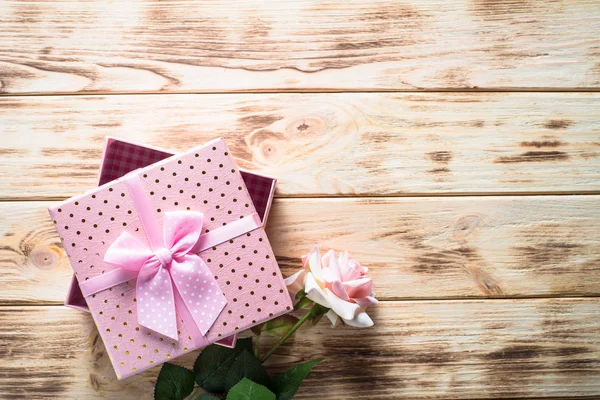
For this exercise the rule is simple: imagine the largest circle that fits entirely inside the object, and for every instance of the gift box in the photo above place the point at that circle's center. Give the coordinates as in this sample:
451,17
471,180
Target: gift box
171,257
121,157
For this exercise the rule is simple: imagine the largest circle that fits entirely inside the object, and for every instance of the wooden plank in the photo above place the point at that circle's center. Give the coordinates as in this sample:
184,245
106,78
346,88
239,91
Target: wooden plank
319,144
416,350
415,247
138,46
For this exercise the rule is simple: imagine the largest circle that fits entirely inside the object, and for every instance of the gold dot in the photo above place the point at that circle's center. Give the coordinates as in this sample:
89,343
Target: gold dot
132,340
144,346
133,369
173,344
139,357
107,329
149,333
168,356
151,362
185,349
156,350
115,347
162,339
122,364
126,351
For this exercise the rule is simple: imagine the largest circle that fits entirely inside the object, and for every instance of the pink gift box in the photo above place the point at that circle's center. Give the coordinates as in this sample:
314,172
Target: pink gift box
121,157
206,180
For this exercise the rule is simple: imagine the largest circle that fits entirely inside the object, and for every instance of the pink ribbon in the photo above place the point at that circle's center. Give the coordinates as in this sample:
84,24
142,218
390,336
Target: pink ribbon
171,277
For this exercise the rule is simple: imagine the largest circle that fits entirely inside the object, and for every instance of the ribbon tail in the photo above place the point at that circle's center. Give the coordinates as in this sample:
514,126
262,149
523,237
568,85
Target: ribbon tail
198,289
155,299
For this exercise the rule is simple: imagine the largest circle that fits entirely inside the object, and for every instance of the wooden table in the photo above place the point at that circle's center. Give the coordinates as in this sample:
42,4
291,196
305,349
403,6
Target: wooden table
452,146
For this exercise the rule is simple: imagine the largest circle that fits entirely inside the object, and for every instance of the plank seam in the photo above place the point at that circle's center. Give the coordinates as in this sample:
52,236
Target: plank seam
368,196
307,91
382,300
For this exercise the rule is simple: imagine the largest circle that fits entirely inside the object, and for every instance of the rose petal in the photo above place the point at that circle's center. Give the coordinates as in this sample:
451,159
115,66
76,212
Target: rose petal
359,288
333,317
335,268
361,320
295,282
365,302
331,269
339,290
341,307
304,260
343,258
314,291
329,276
314,262
325,260
352,270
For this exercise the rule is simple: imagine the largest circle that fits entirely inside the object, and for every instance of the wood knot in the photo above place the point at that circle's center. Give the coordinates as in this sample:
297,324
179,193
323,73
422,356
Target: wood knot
45,257
467,225
305,127
269,152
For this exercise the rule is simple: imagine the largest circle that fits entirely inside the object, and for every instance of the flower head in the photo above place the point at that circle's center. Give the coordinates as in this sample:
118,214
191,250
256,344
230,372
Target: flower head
337,282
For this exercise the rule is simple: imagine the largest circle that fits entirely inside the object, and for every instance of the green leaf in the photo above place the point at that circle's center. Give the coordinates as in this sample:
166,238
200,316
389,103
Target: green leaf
300,295
287,384
277,326
173,383
207,397
248,390
247,366
317,312
212,365
305,302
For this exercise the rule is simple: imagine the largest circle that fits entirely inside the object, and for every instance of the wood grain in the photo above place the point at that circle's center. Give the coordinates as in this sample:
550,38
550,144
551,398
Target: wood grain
140,46
417,350
319,144
415,247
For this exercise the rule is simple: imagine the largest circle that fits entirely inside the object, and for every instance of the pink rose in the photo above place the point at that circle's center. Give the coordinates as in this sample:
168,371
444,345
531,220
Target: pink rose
337,282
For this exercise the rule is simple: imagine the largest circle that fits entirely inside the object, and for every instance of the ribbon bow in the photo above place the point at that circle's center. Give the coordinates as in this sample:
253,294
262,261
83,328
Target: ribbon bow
167,269
172,280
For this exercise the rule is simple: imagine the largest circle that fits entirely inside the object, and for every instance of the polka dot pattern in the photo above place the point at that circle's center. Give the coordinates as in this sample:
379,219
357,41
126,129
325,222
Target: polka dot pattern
203,297
155,302
244,267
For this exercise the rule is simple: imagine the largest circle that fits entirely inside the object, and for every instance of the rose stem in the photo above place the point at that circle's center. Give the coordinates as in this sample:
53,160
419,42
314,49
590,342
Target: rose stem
287,335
